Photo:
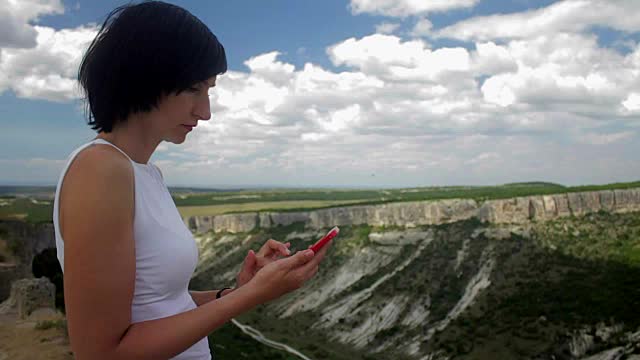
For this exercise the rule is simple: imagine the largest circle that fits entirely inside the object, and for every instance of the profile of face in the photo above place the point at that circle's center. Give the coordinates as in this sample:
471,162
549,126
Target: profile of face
178,114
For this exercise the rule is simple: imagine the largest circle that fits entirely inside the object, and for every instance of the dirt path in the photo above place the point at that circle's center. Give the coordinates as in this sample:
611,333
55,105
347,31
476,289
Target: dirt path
19,340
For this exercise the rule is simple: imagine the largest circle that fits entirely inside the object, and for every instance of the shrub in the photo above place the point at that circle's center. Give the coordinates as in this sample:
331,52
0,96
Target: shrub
51,324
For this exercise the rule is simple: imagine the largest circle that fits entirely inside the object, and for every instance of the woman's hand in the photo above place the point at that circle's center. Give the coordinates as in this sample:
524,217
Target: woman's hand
271,251
285,275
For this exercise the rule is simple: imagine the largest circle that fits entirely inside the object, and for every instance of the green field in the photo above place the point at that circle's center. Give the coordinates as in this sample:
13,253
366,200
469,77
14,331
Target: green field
187,211
31,204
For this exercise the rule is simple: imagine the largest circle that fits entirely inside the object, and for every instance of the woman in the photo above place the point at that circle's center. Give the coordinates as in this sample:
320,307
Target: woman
126,255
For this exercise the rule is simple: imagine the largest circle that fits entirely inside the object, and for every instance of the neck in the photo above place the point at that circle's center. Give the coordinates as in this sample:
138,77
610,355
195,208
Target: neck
134,139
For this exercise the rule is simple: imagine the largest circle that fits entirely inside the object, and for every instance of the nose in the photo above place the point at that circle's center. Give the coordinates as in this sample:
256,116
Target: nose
203,109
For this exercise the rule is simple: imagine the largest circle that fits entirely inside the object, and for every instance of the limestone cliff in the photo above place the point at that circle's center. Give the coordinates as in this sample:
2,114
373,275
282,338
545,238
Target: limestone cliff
564,288
410,214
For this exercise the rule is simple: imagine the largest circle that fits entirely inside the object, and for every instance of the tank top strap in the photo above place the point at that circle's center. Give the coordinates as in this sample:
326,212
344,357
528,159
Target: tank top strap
103,141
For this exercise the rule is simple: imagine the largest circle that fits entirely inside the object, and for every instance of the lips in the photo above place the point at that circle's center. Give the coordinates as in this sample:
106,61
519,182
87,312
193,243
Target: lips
188,127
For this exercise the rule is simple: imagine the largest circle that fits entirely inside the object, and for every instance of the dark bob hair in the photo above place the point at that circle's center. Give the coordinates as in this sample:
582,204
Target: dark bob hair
142,53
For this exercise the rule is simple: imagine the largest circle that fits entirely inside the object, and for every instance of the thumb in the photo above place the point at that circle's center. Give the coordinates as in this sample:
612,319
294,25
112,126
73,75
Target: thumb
249,262
299,259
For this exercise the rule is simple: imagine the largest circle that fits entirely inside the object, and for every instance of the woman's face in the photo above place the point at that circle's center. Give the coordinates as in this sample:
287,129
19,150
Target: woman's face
180,113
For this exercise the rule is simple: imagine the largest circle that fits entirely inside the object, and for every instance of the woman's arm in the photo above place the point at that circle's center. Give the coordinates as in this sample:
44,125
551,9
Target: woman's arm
203,297
153,340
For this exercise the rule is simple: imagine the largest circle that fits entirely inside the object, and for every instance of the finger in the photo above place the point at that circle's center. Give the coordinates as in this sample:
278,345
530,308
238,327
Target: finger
297,260
249,262
314,272
265,249
309,273
278,247
273,249
319,256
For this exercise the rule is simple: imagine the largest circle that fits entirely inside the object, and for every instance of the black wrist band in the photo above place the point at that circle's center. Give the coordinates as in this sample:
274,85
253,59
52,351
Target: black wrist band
219,293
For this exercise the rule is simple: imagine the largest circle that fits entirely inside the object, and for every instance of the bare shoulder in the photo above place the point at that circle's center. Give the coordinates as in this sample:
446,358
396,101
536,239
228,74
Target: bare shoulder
101,165
102,159
99,180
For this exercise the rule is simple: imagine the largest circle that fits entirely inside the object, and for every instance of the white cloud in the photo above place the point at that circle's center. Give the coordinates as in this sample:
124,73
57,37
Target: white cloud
401,8
388,57
266,66
16,17
603,139
498,89
483,158
423,27
569,71
561,16
387,28
313,136
377,51
405,108
48,70
491,59
342,119
632,102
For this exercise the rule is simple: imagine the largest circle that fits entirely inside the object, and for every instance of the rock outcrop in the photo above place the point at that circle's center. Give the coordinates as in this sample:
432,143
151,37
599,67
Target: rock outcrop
8,274
32,239
410,214
29,295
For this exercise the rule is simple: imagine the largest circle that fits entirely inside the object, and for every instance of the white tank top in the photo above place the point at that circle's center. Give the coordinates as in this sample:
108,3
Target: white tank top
166,252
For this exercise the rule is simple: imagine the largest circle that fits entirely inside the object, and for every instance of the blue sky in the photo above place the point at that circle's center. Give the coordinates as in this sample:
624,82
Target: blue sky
358,93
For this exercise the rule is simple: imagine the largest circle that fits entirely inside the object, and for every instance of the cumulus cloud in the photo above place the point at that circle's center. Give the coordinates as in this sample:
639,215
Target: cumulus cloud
387,28
632,102
387,56
16,17
423,27
405,108
562,16
402,8
48,70
564,71
39,62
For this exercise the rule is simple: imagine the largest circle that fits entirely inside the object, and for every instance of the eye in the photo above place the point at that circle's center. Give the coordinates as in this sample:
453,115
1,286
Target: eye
193,89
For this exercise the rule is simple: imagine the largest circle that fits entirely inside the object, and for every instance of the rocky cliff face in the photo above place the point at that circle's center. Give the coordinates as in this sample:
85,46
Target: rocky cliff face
411,214
463,289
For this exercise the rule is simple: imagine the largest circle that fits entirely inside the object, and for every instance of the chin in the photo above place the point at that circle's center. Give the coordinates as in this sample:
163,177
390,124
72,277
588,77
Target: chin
177,141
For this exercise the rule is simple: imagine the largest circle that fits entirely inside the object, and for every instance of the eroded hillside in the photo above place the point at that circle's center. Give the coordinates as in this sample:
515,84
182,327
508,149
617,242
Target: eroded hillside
565,287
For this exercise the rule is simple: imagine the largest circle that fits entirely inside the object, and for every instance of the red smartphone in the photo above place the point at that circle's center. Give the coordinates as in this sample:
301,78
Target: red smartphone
322,242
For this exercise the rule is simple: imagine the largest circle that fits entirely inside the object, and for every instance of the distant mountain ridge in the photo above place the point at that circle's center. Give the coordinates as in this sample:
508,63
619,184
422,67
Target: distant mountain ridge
414,213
